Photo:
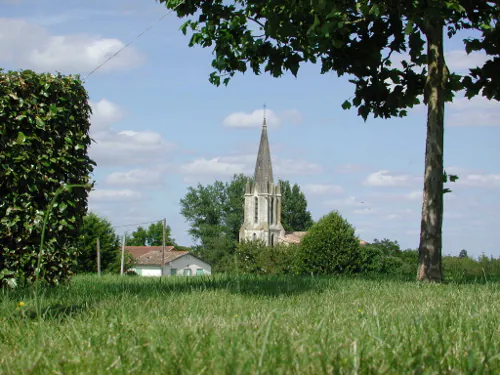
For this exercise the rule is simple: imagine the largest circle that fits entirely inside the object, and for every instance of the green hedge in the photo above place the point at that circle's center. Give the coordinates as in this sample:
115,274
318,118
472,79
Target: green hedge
44,138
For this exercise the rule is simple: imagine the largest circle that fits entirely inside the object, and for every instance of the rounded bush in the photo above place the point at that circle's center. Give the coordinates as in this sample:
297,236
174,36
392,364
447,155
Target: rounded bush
330,246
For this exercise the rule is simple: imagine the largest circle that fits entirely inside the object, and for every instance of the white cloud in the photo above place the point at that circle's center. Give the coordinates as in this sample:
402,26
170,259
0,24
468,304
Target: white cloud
319,189
458,60
136,177
473,178
384,178
104,113
52,18
124,195
31,46
479,180
212,167
288,167
127,147
225,166
478,111
255,118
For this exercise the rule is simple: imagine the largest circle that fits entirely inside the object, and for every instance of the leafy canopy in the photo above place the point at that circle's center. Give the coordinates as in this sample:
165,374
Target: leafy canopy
95,227
153,236
354,38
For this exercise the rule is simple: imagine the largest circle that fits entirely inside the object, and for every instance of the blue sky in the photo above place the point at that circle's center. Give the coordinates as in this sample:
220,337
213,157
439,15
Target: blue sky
161,127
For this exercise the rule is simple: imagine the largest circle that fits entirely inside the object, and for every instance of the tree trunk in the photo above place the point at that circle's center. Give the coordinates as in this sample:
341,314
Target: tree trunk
429,267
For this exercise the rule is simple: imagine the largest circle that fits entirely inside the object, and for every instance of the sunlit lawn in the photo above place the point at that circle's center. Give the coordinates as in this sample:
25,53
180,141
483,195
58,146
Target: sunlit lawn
250,325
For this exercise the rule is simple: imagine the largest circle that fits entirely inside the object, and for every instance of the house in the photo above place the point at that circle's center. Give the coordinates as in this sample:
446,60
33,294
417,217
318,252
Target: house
148,262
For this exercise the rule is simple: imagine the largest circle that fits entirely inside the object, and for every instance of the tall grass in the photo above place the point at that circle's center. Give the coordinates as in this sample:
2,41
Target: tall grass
252,325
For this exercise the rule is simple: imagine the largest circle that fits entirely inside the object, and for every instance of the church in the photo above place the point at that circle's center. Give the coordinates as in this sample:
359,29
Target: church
262,218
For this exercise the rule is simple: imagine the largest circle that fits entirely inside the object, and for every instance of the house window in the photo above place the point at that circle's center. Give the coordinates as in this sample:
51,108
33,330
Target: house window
173,271
187,272
199,271
256,218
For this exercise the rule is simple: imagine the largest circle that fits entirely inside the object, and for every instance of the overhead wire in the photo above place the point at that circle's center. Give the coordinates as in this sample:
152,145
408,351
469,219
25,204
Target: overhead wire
129,43
137,224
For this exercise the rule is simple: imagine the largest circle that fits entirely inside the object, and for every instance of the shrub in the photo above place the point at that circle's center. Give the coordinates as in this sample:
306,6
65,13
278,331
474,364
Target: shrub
250,256
44,137
382,257
330,246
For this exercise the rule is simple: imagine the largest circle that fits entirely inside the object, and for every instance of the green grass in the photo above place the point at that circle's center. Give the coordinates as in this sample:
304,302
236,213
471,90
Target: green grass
252,325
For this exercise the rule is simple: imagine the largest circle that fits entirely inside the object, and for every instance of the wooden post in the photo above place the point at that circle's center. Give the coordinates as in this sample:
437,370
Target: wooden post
123,255
163,247
98,244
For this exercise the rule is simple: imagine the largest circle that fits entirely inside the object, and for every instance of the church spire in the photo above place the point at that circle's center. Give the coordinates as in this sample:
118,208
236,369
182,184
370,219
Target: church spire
263,168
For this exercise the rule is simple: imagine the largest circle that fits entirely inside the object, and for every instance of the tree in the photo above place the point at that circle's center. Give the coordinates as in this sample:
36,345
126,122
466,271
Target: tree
153,236
95,227
330,246
463,254
215,214
381,256
359,38
387,246
294,213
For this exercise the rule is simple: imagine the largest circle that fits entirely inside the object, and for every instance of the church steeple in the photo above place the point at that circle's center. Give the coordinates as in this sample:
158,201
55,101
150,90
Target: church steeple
262,207
263,176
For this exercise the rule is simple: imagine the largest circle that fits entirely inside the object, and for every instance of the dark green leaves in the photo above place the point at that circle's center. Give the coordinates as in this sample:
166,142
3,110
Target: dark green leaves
44,137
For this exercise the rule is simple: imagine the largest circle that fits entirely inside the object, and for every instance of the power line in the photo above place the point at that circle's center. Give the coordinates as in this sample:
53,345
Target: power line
134,225
137,37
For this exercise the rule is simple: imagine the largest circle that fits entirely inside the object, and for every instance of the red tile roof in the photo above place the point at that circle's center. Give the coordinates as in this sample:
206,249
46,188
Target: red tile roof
138,251
153,258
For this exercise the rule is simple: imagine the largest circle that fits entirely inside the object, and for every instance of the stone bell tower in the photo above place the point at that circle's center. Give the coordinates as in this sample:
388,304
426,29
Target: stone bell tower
262,219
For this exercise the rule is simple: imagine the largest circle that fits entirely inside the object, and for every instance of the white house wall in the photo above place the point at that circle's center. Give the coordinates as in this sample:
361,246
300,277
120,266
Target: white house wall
187,262
148,270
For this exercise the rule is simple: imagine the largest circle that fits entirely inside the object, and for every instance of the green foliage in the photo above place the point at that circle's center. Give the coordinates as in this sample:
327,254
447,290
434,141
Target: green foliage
215,214
44,137
95,227
153,236
256,258
467,269
330,246
357,38
294,214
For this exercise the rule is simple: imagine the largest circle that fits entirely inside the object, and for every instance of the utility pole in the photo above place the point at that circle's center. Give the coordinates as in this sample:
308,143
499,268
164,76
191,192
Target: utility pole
123,255
164,221
98,245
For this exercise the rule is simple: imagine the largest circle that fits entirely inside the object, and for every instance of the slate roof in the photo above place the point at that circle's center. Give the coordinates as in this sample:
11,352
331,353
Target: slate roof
153,258
263,176
138,251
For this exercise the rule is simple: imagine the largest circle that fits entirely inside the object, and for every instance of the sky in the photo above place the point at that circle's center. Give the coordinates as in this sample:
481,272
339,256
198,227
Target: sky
159,127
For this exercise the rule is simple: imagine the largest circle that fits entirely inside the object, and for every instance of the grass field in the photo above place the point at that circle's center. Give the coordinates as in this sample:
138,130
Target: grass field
252,325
